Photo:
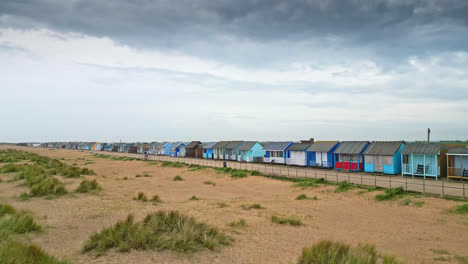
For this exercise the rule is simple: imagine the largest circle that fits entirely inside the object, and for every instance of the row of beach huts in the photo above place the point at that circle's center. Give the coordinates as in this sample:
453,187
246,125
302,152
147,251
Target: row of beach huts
388,157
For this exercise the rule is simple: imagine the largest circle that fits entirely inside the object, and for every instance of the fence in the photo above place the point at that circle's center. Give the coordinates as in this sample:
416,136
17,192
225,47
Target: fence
437,187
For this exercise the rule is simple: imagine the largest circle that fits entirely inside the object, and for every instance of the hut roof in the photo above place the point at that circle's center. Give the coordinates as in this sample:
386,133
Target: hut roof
221,144
422,148
351,147
383,148
247,145
322,146
299,147
233,144
277,146
460,151
193,144
209,145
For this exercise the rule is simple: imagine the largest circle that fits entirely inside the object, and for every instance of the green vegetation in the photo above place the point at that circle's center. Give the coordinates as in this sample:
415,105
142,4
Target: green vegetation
141,197
158,231
238,224
408,201
156,199
87,186
177,178
252,206
255,173
344,186
174,164
459,209
209,183
222,204
305,197
286,220
13,252
146,175
239,174
235,173
310,183
194,198
39,176
390,194
338,253
195,167
15,222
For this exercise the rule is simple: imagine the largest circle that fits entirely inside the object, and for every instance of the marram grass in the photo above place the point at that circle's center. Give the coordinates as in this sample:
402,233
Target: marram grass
158,231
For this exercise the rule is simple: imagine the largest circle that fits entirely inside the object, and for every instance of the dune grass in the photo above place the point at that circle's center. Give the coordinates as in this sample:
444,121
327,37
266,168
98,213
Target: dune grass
302,197
390,194
156,199
286,220
158,231
209,183
88,186
173,164
255,173
256,206
310,183
238,224
141,196
13,221
327,251
177,178
344,186
194,198
14,252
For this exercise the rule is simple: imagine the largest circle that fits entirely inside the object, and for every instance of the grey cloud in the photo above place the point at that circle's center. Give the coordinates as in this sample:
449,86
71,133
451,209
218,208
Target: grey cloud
390,29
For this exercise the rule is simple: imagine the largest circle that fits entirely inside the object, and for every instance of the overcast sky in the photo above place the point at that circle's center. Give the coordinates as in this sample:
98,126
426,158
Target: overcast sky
140,70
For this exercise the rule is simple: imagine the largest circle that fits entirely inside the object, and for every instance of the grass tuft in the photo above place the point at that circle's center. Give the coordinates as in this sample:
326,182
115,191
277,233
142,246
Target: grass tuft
194,198
141,197
286,220
19,253
302,197
344,186
86,186
177,178
252,206
239,223
209,183
238,174
156,199
255,173
310,183
390,194
326,251
158,231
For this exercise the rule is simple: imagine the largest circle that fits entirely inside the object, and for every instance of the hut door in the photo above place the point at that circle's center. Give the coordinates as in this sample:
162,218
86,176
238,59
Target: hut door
378,163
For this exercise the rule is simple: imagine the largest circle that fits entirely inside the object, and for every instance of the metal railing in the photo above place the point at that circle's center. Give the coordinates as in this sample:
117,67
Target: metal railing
428,186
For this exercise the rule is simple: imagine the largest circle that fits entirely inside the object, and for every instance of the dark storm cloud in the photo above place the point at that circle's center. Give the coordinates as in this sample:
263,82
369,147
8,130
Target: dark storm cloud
388,28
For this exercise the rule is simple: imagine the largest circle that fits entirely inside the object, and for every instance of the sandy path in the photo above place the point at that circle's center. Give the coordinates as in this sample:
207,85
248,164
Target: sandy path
406,231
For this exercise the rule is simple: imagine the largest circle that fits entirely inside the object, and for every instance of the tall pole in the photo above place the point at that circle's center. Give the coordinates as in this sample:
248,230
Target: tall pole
428,135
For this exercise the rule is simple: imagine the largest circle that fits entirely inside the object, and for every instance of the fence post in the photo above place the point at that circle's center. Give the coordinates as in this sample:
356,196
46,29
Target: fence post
375,180
424,185
361,178
315,170
463,189
390,180
349,179
443,192
296,172
337,177
406,183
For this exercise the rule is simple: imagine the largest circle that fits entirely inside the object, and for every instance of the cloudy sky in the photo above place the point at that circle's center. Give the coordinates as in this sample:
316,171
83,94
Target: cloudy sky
141,70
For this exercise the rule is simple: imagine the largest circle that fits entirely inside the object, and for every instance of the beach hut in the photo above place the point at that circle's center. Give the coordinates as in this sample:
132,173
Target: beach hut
296,154
177,149
160,148
349,155
219,151
250,151
194,149
275,152
457,163
167,149
152,148
424,159
320,154
231,149
384,157
208,150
